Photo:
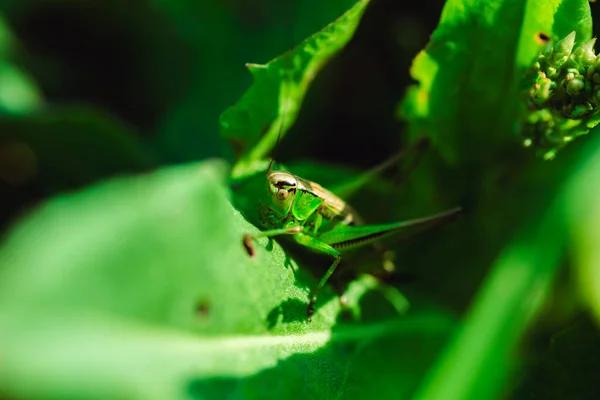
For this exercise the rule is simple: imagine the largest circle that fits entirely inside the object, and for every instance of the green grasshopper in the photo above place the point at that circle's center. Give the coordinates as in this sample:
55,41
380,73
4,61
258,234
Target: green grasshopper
320,221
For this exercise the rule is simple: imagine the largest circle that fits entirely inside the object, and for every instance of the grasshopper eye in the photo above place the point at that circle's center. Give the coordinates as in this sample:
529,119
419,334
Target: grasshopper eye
283,194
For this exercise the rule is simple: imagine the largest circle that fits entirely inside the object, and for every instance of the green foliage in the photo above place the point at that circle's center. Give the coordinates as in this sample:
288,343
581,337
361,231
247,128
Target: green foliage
18,92
225,36
271,105
130,278
470,130
157,309
474,62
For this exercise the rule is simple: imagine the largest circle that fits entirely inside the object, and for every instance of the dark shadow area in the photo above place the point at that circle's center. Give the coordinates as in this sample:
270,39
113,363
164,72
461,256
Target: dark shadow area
291,310
103,55
564,364
348,116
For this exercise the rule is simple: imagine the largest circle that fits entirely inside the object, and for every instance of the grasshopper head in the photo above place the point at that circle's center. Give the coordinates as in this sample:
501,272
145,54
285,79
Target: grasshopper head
282,191
282,187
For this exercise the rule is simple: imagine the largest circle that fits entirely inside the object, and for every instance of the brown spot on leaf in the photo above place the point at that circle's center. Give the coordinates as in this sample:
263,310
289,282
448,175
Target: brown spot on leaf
248,245
203,308
542,38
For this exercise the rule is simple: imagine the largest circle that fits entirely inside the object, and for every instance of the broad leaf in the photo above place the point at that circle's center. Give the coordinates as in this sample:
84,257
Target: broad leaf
223,39
140,287
273,101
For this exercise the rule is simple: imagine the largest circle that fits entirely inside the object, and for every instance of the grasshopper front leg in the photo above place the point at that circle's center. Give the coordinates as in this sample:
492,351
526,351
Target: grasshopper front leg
248,239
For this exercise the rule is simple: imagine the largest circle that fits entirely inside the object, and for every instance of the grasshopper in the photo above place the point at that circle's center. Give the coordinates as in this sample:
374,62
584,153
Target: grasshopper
320,221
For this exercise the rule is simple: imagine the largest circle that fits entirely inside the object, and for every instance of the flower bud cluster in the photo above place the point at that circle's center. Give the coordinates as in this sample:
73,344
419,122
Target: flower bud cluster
563,98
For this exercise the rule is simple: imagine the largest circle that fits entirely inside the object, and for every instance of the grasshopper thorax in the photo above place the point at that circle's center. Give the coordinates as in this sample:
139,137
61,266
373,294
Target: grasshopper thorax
277,206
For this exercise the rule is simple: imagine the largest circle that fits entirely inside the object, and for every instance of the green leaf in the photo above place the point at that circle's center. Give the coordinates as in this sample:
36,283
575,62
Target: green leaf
466,101
273,101
478,361
468,75
480,165
480,358
139,287
584,217
224,39
556,19
18,92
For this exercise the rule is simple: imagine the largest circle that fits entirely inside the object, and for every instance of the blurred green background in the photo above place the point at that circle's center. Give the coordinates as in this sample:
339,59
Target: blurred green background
168,69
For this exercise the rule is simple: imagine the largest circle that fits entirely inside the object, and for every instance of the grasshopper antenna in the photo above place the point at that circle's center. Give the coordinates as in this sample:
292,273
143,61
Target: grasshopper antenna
283,109
290,13
270,168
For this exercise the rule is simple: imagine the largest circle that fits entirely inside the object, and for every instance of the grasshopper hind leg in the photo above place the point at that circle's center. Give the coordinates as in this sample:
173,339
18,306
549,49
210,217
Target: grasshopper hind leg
321,247
416,151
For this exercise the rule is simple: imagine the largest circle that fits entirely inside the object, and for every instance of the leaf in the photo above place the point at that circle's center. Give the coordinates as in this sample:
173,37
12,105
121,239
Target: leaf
223,40
477,162
514,220
520,282
140,288
468,74
584,217
19,94
556,18
477,362
273,101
